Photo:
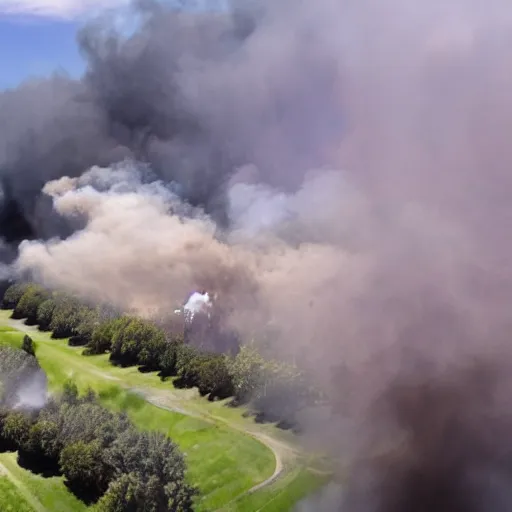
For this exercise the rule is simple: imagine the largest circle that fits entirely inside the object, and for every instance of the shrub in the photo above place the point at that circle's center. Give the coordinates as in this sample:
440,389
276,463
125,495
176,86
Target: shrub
28,345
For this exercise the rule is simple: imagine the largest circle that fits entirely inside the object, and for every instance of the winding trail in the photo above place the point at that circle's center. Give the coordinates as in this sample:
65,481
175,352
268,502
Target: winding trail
284,453
280,450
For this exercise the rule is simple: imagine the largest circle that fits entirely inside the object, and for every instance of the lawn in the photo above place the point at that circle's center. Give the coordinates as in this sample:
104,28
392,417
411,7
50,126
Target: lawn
11,500
281,495
223,460
36,492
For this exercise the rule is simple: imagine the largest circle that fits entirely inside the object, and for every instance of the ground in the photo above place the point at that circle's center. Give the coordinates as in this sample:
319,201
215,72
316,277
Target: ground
237,464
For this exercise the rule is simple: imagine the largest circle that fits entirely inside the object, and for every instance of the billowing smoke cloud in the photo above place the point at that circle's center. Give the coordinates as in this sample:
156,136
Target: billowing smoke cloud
23,383
258,268
337,171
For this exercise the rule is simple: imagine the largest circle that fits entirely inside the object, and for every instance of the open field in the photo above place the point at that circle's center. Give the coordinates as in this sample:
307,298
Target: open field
11,500
236,463
39,493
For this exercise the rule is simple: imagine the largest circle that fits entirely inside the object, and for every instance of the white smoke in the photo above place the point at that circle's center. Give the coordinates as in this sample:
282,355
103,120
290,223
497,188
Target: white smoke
32,393
196,304
141,248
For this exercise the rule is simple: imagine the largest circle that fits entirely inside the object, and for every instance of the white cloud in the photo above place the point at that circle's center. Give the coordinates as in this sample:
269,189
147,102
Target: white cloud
72,9
57,9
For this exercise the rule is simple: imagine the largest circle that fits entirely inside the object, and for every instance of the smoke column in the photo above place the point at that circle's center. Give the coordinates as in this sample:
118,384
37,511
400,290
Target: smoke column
337,171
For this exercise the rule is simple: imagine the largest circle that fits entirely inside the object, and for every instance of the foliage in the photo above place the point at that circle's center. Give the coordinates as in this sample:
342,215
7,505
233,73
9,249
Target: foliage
28,345
101,339
29,303
82,465
99,452
168,357
137,342
92,448
223,462
45,314
13,295
16,429
212,376
65,317
88,318
246,370
150,465
275,389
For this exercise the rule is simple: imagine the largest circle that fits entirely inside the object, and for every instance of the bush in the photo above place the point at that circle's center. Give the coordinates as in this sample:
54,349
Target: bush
213,377
94,448
45,314
82,465
277,390
168,357
65,317
13,295
29,303
28,345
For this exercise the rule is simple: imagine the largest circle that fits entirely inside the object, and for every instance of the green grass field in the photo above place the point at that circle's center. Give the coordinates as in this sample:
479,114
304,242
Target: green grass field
36,492
224,456
11,499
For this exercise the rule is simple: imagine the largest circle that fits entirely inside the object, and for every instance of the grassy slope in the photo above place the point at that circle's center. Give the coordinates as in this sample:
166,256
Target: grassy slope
38,492
223,461
11,499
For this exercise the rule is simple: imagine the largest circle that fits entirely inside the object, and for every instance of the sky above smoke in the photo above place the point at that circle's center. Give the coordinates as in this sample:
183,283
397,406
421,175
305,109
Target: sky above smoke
338,171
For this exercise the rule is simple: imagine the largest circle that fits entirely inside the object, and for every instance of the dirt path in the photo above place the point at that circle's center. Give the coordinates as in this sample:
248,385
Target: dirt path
284,453
279,449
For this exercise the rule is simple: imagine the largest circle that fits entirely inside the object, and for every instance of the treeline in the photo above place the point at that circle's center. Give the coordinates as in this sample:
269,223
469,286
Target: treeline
103,458
276,391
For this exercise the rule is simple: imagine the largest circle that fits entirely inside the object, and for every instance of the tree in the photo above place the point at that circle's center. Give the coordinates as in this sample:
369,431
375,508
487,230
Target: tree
123,495
44,436
138,342
168,356
28,345
185,365
284,390
29,303
82,465
88,320
13,295
42,449
70,392
45,314
246,370
16,429
156,470
96,450
7,443
65,317
213,377
153,345
101,339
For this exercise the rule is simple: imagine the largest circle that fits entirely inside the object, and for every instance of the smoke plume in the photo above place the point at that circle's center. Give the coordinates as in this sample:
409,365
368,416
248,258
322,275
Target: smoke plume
338,172
23,384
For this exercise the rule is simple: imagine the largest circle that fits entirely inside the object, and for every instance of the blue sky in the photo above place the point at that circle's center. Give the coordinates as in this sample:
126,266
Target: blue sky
36,46
39,36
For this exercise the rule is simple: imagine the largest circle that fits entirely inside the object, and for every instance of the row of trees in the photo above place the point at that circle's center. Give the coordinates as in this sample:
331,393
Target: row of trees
103,458
276,390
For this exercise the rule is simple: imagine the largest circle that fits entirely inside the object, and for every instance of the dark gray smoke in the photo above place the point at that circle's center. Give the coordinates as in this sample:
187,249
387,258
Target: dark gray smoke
164,95
350,162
